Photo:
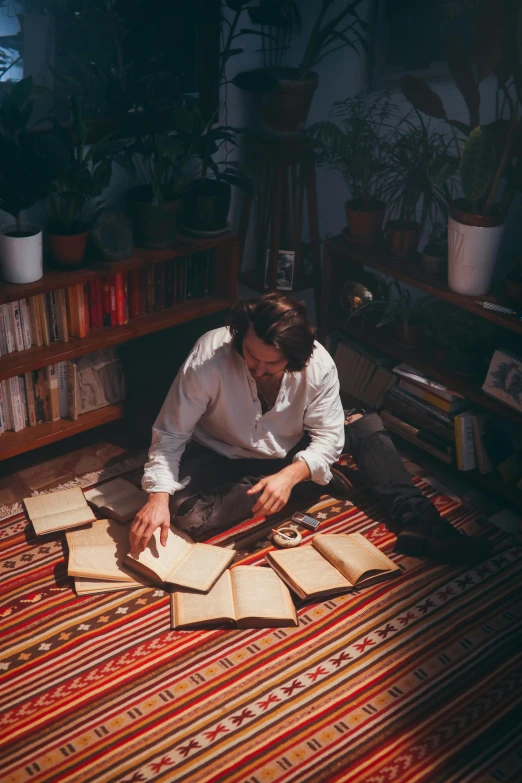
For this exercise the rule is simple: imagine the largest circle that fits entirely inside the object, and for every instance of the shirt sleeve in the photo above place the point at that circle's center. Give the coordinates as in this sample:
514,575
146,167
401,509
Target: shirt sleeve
184,405
324,421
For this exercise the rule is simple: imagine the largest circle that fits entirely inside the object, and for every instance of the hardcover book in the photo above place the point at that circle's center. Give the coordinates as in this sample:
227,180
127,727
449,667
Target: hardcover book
58,510
98,552
245,596
332,563
118,499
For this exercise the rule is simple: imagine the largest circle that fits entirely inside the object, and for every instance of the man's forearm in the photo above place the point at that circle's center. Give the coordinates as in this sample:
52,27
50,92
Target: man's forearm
298,471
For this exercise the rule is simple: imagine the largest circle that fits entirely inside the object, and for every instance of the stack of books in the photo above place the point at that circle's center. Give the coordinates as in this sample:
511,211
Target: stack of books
364,374
73,311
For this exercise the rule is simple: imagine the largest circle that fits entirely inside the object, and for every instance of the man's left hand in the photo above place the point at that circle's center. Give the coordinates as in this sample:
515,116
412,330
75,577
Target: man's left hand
275,490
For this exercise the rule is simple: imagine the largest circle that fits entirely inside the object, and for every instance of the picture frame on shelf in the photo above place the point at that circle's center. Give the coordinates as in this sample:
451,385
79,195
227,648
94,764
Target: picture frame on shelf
285,269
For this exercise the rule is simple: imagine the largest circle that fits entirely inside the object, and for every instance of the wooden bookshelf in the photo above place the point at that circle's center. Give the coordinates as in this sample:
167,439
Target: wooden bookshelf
19,362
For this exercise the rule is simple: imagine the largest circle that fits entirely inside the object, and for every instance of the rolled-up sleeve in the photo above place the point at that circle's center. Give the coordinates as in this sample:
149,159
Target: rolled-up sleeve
324,421
184,405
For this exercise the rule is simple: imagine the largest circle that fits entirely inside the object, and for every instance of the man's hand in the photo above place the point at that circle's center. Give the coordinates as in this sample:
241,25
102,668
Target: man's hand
155,513
275,490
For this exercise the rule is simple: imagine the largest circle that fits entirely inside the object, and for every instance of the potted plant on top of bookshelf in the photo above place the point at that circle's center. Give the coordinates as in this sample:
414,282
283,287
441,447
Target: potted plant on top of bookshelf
353,141
27,167
435,251
82,175
421,168
491,152
286,92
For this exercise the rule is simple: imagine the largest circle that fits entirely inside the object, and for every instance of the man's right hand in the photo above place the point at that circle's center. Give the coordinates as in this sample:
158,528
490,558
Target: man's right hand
154,514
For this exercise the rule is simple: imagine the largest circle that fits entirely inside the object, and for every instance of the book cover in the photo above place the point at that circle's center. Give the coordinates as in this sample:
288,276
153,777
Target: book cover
504,378
36,327
26,324
479,429
29,393
58,510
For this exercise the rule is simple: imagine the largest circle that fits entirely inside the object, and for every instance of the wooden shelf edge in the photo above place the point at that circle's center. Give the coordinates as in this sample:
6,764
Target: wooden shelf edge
13,443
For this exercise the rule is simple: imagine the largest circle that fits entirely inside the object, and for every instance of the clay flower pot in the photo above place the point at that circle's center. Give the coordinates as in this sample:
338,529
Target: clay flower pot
68,250
364,224
402,237
154,227
285,109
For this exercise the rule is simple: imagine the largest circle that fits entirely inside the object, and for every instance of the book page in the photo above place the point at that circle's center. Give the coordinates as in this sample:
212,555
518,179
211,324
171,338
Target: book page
58,510
99,551
119,498
260,594
353,555
201,567
307,571
161,560
86,586
201,608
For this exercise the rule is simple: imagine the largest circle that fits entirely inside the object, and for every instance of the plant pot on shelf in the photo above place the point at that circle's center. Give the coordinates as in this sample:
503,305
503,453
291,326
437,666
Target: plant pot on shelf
402,237
21,255
473,243
513,290
434,261
153,226
284,110
408,335
68,250
364,221
206,206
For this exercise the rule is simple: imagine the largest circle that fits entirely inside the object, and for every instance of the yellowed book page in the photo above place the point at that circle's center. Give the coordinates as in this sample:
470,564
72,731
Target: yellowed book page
353,555
259,593
58,510
161,560
118,498
86,586
99,551
200,608
308,570
201,567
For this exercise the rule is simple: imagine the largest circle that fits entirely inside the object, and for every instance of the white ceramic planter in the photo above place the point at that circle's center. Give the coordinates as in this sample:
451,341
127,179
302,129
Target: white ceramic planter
472,254
21,258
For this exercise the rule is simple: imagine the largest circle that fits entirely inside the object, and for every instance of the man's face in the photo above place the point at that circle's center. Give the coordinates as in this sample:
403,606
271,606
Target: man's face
263,361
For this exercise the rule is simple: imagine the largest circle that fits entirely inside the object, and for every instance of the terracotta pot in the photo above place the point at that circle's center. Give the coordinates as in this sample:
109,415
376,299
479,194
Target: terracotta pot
402,237
433,265
411,336
285,110
153,227
473,244
68,250
513,293
364,224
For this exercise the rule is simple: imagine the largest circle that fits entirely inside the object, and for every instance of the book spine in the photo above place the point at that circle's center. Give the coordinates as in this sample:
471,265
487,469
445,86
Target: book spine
86,308
114,309
72,322
52,387
80,307
125,298
419,416
44,394
118,293
106,288
63,401
26,324
23,400
38,400
72,390
3,420
134,292
469,457
36,327
7,406
408,433
3,338
53,316
9,331
16,404
422,407
417,391
61,313
45,319
29,393
159,286
93,305
16,325
169,282
99,301
150,288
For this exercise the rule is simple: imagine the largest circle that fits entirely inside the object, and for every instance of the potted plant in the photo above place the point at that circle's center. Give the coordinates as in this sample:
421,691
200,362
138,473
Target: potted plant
490,169
286,92
420,173
27,167
435,251
83,173
354,142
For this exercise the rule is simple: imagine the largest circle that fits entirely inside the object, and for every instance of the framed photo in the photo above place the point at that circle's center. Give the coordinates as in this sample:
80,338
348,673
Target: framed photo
410,36
285,269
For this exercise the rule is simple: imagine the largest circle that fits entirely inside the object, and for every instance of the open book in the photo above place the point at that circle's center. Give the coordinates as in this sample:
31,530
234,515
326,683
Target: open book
98,552
333,563
181,562
248,596
86,586
58,510
117,499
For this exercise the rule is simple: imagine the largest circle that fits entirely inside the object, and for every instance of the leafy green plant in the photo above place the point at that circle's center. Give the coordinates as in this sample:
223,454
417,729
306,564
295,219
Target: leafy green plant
354,142
396,308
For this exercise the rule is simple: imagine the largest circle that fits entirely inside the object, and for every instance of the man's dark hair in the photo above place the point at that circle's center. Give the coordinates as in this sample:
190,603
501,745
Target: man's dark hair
278,321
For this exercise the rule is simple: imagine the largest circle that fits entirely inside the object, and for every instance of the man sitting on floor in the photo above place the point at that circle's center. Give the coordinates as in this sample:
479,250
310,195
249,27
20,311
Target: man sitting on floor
259,402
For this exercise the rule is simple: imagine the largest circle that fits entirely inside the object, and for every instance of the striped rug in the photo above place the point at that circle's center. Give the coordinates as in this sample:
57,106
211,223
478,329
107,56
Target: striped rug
416,679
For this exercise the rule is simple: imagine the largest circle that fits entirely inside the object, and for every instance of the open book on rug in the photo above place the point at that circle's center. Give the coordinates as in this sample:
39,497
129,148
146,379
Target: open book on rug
58,510
86,586
181,562
117,499
333,563
245,596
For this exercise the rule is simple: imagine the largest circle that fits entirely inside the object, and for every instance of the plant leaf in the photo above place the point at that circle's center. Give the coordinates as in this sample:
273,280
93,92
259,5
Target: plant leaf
477,165
255,81
464,78
422,97
488,37
442,169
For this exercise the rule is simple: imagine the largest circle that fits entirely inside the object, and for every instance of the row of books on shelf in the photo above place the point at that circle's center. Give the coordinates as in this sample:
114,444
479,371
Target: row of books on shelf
63,390
73,311
437,419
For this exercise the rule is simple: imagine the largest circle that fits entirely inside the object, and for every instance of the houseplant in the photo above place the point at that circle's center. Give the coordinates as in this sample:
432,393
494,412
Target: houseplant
490,169
354,142
27,168
435,251
421,168
83,173
286,92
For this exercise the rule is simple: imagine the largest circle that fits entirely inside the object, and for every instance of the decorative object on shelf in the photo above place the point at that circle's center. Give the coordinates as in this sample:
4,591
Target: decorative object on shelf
355,295
286,93
27,167
111,234
353,141
434,254
285,269
504,378
491,151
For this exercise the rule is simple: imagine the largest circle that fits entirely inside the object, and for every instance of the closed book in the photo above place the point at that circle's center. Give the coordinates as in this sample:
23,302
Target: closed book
23,399
99,301
398,427
72,390
29,393
432,399
80,305
39,410
16,325
159,286
8,328
50,299
43,391
61,313
134,292
36,327
125,298
465,441
169,282
150,288
72,310
15,401
93,305
61,371
26,324
114,306
418,379
3,339
418,413
106,289
3,419
86,307
7,406
484,462
118,292
52,386
504,378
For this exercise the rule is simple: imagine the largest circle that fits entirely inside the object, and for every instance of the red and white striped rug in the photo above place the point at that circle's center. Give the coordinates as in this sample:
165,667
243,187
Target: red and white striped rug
416,679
